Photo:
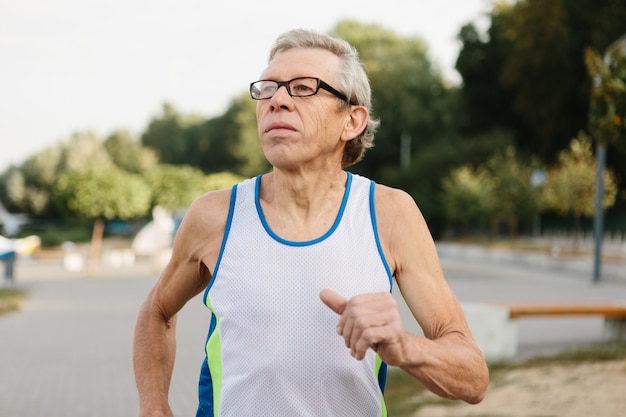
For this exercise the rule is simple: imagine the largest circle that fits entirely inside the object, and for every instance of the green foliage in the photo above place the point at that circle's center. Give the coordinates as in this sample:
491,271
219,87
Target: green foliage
82,150
246,148
524,84
468,197
166,135
430,164
55,235
513,194
528,73
541,73
484,103
499,189
128,154
570,187
228,142
11,299
174,187
409,96
221,180
29,186
607,112
102,191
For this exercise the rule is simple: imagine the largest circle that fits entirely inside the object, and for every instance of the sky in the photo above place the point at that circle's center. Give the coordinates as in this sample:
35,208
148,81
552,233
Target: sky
71,66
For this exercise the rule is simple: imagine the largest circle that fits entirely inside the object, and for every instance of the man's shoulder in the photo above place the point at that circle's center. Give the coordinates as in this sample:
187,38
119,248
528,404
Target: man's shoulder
210,207
396,195
394,201
215,197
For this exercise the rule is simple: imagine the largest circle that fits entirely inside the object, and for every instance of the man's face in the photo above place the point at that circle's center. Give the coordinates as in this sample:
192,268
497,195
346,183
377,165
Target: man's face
295,131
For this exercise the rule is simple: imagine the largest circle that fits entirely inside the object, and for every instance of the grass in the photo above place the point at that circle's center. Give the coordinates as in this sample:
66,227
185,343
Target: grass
10,299
404,395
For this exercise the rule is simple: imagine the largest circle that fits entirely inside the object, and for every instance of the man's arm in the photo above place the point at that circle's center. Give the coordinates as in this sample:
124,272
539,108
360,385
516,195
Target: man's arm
447,360
196,245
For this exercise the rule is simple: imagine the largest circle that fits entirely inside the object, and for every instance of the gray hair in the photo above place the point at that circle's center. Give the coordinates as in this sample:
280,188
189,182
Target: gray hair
353,81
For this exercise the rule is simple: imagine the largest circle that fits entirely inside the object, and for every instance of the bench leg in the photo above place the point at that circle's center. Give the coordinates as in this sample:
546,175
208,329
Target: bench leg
615,330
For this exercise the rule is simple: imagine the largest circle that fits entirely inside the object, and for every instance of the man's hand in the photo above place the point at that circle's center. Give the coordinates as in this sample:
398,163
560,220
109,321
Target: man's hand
369,321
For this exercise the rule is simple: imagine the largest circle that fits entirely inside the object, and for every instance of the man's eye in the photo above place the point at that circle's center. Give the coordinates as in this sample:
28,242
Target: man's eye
302,89
268,89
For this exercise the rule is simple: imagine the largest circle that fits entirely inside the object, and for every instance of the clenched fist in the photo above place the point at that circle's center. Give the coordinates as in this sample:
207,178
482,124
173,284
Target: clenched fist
369,321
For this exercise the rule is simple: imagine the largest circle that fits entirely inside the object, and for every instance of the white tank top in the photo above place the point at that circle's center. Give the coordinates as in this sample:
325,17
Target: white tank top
273,349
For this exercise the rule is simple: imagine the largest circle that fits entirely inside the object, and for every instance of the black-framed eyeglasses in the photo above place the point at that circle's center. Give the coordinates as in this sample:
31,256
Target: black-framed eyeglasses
298,87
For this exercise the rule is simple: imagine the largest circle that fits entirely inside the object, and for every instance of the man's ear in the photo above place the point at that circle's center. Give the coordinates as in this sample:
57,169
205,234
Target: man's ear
356,122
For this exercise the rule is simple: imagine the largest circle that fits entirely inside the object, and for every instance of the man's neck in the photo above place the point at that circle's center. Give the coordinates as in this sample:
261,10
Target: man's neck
302,205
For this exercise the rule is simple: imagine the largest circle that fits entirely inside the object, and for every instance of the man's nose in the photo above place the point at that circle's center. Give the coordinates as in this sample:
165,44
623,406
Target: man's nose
286,90
281,97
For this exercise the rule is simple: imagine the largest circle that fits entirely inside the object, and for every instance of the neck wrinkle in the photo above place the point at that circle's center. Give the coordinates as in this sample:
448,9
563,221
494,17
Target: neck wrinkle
300,197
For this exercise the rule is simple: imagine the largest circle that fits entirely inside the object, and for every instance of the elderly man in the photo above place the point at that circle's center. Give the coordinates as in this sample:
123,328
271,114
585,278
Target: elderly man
296,265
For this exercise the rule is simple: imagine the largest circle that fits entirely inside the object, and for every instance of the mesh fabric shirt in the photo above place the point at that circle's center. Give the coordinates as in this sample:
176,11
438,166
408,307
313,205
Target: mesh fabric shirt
272,348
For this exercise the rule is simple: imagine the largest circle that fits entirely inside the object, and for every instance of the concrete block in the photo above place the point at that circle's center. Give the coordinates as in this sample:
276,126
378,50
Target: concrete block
493,330
615,329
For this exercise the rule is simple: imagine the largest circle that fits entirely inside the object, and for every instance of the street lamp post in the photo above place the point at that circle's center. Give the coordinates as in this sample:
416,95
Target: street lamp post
598,221
613,51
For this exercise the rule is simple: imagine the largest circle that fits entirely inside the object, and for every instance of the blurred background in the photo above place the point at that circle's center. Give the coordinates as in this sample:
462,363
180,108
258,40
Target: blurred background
495,130
503,119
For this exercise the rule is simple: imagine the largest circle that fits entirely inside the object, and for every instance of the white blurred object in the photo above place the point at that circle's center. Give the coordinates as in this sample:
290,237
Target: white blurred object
11,223
121,257
24,246
155,238
27,245
74,262
72,259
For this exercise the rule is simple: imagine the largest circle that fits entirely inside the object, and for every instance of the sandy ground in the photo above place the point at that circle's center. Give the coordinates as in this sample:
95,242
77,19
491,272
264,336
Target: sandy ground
583,390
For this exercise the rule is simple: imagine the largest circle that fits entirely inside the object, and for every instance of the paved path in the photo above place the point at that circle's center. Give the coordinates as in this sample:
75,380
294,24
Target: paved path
68,352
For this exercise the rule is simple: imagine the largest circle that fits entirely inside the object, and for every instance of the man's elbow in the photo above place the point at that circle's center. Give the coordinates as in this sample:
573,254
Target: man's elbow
478,385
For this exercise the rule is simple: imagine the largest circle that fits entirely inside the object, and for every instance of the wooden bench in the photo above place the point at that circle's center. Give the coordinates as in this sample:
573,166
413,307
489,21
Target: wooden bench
606,310
614,314
495,325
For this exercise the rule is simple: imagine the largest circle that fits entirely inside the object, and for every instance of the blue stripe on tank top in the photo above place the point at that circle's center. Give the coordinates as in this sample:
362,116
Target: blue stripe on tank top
376,235
229,221
267,228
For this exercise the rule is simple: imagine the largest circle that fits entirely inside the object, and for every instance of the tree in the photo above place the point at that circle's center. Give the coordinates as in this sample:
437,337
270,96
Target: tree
228,142
99,192
543,75
570,186
499,189
231,141
30,185
221,180
607,112
423,179
128,154
174,187
247,148
166,135
409,95
513,195
484,104
530,63
467,197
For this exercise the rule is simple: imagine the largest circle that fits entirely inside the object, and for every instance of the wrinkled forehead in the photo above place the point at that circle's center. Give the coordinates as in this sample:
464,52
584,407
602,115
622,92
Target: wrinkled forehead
303,62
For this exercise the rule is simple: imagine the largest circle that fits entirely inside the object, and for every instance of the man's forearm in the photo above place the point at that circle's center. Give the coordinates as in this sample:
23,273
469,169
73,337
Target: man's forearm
154,351
452,369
